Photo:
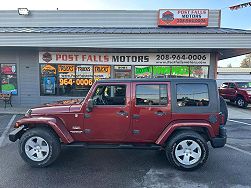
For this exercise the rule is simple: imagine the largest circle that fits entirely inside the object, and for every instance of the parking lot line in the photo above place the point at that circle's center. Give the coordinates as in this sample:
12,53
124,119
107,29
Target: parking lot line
6,130
238,149
239,122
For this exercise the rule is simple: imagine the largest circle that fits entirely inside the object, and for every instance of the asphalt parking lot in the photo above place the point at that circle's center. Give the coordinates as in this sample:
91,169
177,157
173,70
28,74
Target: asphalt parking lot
77,167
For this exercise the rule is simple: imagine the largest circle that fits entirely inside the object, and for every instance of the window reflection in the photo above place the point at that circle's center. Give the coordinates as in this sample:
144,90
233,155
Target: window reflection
151,95
192,95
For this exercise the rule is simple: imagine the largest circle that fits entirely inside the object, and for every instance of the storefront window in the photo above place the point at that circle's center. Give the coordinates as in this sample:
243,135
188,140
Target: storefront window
84,77
70,80
161,71
48,79
143,71
180,71
199,71
122,71
77,79
8,78
102,72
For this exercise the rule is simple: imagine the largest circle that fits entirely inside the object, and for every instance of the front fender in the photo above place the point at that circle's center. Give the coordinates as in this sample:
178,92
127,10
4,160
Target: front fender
56,124
175,125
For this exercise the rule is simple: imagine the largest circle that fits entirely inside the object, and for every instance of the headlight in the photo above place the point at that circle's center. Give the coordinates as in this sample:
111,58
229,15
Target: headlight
28,113
249,92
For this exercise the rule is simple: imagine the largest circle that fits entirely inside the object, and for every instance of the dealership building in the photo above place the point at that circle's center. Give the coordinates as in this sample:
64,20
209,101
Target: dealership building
48,56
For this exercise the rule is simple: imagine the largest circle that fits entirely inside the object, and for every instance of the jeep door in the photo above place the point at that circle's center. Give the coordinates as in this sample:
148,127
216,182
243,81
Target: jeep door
109,118
232,91
151,110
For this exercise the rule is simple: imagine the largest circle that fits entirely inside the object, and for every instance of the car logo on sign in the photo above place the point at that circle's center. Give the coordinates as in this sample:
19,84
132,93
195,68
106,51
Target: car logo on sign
167,16
47,57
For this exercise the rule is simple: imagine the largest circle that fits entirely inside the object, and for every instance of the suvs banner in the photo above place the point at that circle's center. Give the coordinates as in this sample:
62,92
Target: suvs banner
124,58
183,17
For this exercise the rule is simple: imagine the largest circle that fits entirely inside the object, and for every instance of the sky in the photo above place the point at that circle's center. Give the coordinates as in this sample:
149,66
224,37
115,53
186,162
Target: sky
239,19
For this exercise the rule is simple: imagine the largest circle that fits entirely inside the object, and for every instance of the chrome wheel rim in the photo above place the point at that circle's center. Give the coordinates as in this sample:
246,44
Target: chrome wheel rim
188,152
36,148
240,102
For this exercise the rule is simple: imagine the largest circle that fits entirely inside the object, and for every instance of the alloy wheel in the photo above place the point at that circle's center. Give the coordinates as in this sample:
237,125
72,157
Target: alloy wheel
188,152
36,148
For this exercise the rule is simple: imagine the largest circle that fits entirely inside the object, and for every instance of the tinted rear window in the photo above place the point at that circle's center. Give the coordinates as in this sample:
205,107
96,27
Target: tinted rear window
148,95
192,95
244,84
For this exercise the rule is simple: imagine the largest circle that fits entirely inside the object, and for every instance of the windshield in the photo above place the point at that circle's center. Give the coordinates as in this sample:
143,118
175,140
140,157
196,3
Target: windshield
244,84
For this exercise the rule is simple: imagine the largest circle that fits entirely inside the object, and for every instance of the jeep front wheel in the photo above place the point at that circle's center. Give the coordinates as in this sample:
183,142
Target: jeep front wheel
187,150
240,101
39,147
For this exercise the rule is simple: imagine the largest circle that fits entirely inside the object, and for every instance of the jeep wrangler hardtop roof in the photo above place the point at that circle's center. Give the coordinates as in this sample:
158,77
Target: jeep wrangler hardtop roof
156,80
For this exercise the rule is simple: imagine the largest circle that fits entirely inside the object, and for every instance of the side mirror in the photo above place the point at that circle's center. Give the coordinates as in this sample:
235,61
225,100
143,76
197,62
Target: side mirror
90,105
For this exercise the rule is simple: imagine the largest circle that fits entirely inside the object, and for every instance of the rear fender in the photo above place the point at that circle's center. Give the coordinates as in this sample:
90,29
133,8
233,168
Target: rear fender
177,125
56,124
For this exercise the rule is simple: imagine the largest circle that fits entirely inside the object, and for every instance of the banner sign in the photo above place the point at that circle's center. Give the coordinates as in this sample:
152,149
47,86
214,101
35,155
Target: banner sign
183,17
243,5
122,59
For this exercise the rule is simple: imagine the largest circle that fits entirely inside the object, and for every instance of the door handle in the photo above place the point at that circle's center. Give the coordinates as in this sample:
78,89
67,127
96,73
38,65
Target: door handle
122,113
160,113
135,116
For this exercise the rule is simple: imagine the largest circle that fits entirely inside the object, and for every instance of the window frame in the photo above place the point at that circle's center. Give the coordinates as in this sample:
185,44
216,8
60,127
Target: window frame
225,83
57,80
17,88
231,84
162,105
208,93
110,84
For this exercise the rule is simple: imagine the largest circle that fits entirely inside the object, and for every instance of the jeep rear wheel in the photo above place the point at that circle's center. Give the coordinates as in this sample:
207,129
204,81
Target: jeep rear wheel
240,101
187,150
39,147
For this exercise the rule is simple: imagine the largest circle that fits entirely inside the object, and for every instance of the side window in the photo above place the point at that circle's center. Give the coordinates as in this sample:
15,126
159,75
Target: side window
231,85
192,95
148,95
224,85
110,95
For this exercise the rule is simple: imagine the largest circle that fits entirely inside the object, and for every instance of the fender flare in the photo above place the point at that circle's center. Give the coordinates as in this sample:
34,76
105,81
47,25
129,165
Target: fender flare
175,125
56,124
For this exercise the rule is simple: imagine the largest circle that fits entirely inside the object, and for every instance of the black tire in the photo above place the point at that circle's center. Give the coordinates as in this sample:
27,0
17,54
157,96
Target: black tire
187,137
51,142
232,101
223,109
240,101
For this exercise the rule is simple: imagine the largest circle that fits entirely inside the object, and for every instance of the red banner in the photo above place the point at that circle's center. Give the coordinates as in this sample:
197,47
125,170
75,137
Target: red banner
183,17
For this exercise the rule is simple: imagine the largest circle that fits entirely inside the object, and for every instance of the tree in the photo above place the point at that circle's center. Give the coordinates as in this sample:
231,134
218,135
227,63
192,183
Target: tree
246,62
229,65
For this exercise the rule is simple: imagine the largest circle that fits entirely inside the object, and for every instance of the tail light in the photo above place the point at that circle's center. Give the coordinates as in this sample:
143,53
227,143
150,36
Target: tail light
222,118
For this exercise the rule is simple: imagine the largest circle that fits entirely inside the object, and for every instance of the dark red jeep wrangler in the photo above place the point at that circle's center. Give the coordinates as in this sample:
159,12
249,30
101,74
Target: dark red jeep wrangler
238,92
177,115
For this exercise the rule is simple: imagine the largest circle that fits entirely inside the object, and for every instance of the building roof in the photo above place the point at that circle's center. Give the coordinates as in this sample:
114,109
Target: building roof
234,70
126,30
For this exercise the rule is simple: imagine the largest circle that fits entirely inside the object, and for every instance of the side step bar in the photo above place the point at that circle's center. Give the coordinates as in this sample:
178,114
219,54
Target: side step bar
114,146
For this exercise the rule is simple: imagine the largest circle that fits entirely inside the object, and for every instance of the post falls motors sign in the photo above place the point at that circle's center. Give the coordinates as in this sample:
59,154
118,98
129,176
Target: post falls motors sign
124,58
183,17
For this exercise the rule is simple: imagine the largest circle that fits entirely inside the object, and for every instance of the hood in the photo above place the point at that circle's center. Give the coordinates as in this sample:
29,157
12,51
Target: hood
51,109
56,107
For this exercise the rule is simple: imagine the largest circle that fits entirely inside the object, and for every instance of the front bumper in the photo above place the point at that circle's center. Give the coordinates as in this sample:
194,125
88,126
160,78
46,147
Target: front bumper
16,134
220,140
